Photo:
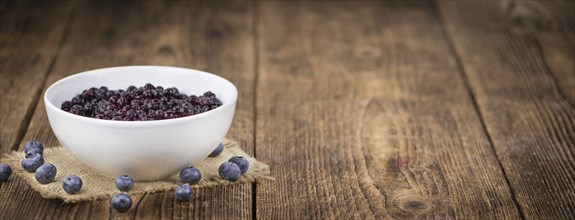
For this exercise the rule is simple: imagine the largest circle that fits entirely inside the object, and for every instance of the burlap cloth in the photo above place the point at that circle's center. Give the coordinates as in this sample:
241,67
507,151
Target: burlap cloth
96,186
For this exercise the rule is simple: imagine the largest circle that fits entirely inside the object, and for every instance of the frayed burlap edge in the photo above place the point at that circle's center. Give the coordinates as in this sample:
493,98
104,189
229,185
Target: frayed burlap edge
97,187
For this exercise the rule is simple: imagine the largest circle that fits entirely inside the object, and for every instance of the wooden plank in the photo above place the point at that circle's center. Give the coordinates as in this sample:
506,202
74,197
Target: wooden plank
363,114
211,36
519,58
30,33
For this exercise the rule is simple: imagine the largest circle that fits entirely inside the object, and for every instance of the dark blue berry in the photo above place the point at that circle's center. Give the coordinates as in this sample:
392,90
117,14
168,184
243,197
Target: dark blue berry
193,99
183,193
203,100
33,145
219,149
131,114
169,114
46,173
149,86
159,114
31,162
229,171
111,106
121,202
87,94
124,183
209,94
143,117
190,175
122,101
172,91
66,106
77,109
32,153
78,100
241,162
72,184
135,102
103,89
5,172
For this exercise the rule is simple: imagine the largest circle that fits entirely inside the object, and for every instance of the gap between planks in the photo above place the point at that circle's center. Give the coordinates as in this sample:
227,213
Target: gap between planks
473,98
255,33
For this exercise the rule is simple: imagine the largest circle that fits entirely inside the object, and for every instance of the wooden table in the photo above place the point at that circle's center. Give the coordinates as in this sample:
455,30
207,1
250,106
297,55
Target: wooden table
363,109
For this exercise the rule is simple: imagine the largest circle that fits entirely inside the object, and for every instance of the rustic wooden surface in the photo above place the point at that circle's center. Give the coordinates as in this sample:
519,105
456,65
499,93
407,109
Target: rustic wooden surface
364,110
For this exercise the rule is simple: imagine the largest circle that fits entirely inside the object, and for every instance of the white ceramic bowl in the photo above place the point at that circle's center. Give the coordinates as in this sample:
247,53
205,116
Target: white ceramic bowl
145,150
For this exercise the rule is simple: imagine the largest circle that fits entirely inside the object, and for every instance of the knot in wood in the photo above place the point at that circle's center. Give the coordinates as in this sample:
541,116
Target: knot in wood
413,204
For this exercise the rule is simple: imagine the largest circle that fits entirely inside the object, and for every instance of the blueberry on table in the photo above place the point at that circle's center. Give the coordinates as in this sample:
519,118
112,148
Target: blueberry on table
190,175
32,162
72,184
30,145
121,202
183,193
241,162
124,183
32,153
229,171
46,173
217,151
5,172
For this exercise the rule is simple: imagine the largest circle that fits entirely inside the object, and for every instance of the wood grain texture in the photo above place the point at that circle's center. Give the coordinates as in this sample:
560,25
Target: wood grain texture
30,36
364,109
209,36
363,114
519,59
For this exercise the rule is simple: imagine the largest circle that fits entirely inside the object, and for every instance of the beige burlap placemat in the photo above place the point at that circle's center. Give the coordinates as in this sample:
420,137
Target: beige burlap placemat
96,186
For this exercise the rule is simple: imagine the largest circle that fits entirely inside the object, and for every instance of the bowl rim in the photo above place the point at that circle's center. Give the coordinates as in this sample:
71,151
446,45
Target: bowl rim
172,121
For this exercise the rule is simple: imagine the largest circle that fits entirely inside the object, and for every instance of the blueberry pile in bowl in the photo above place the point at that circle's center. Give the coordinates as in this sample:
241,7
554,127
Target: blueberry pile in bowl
144,103
143,121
